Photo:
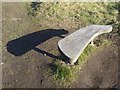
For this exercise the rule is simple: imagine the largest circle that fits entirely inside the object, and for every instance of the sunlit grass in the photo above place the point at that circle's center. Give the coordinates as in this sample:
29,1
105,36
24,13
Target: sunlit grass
81,13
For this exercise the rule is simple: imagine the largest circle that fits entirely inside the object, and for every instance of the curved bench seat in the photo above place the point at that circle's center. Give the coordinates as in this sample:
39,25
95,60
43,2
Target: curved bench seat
74,44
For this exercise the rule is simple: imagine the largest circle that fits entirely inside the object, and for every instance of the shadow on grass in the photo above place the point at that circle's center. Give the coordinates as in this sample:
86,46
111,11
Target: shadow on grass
53,67
28,42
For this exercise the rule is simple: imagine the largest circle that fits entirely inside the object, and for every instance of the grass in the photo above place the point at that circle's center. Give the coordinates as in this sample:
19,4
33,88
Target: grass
79,13
62,73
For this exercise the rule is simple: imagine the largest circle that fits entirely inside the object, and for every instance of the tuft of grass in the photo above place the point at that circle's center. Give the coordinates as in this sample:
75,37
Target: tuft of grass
33,8
63,73
105,42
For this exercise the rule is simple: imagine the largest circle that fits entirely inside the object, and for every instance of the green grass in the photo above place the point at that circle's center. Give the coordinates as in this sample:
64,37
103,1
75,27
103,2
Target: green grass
79,12
62,73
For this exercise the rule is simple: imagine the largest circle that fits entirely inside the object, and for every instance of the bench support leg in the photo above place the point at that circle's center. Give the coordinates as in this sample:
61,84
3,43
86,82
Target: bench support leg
92,43
72,61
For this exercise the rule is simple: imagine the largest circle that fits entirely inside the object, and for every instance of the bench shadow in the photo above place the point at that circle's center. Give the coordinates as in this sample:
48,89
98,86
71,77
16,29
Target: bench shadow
22,45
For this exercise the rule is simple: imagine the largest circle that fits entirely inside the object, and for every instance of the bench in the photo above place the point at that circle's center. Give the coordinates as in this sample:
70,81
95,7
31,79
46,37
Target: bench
74,44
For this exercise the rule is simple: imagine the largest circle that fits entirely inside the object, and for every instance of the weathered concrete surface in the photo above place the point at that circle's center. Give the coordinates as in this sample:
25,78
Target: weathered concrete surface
73,45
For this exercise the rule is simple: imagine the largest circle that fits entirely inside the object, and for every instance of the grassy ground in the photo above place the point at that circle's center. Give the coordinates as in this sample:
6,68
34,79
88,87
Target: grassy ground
32,17
81,14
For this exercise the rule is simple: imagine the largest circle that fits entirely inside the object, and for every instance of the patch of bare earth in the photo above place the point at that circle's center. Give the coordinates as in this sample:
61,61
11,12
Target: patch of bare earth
101,69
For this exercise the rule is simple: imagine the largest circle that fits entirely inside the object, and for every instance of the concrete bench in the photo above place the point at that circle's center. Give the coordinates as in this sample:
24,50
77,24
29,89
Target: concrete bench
74,44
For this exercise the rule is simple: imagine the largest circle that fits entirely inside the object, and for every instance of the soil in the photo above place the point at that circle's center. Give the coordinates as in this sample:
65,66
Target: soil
28,66
100,71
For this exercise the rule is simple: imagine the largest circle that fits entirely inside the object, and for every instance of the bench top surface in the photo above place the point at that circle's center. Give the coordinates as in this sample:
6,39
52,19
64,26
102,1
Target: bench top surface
73,45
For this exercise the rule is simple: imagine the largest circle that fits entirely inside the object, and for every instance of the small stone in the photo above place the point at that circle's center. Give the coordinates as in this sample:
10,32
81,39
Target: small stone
44,54
68,64
61,62
2,63
79,67
29,70
12,73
